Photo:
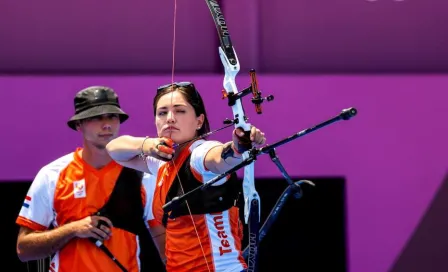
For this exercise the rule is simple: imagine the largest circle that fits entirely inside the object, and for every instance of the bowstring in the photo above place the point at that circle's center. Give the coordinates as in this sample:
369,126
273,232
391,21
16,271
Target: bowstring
172,159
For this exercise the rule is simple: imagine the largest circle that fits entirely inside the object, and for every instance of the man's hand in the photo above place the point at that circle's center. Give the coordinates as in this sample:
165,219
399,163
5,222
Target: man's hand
98,227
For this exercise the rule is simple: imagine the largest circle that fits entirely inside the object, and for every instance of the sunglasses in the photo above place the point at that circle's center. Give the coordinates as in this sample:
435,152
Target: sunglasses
177,84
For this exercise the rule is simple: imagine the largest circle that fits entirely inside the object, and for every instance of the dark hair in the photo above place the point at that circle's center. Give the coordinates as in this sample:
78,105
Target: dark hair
191,94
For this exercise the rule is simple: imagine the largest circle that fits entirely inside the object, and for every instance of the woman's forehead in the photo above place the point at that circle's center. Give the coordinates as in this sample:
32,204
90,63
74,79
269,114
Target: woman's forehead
171,99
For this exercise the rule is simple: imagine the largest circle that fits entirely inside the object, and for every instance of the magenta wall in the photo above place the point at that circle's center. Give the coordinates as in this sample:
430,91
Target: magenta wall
287,36
393,153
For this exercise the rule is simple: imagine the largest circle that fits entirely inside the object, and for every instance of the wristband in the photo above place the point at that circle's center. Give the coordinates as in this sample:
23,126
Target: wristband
142,153
229,151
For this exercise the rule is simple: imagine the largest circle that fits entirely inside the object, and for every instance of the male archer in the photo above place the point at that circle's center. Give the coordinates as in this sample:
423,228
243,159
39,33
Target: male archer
97,208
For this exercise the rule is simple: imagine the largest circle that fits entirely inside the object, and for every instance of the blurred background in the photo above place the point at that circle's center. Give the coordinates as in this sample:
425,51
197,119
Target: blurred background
382,177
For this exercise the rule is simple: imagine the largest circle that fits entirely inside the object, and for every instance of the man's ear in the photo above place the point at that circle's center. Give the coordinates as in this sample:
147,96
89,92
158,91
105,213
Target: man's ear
78,126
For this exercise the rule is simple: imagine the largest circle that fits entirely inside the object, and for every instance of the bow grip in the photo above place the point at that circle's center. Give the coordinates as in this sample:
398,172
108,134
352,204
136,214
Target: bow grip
244,142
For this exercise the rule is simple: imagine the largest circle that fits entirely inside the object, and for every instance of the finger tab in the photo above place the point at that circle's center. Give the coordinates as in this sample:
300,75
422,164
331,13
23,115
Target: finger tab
166,149
167,142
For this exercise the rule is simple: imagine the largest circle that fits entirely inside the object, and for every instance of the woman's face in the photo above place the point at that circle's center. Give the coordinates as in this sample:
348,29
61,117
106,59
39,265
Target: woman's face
176,119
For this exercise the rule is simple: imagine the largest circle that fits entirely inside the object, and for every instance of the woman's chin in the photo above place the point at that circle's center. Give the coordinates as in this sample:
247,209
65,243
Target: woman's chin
167,135
176,137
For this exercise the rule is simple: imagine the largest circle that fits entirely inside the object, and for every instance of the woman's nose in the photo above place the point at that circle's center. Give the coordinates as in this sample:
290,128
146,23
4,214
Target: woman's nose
170,116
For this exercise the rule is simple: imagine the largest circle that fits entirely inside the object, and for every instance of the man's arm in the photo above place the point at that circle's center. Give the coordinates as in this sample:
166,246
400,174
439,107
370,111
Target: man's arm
158,236
33,245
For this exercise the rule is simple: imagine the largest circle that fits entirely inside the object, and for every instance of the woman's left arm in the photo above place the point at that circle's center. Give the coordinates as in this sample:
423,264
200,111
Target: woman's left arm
226,156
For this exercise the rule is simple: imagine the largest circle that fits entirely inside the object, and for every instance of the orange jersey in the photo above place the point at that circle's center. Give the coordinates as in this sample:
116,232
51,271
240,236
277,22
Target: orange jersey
220,234
69,189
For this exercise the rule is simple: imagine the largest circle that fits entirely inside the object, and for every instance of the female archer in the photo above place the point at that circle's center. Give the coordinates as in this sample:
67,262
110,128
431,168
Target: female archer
204,232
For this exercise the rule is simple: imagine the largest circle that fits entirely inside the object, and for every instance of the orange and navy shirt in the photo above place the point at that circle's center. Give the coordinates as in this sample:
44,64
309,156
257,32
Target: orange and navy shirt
68,189
220,233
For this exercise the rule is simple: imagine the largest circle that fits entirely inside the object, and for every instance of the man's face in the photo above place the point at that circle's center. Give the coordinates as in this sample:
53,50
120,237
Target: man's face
100,130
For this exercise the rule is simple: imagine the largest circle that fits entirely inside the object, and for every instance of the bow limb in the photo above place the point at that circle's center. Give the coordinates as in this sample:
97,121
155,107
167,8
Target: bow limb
231,66
251,198
231,70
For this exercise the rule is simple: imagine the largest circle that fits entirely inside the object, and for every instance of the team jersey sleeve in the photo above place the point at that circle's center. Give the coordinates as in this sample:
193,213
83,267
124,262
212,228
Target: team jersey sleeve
153,165
149,184
36,212
201,148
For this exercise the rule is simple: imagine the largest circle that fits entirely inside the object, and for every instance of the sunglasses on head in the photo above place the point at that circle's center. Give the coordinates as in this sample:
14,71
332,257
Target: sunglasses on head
177,84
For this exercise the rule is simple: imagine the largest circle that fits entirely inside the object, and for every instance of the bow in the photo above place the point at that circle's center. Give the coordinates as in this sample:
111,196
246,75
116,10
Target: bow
231,66
252,206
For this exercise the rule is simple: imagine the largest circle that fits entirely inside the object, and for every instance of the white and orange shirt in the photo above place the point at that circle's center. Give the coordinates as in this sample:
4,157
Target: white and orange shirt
68,189
213,242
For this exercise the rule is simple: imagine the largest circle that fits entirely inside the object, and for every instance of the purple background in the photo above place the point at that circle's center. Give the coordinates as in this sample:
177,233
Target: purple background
287,36
393,153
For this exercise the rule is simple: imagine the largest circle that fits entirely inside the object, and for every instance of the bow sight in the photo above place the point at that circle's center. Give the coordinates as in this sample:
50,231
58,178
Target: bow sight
257,99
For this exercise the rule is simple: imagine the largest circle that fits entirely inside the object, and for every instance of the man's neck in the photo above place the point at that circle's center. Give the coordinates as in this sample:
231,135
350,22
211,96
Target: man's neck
95,157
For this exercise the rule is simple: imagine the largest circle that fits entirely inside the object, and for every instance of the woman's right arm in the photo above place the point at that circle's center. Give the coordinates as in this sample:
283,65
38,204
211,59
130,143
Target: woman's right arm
126,150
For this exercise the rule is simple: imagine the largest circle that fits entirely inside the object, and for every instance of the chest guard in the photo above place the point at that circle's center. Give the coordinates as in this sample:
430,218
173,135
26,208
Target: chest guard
125,205
214,199
125,209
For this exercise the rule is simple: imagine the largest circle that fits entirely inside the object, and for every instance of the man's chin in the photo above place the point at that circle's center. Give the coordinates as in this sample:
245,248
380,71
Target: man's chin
100,146
103,141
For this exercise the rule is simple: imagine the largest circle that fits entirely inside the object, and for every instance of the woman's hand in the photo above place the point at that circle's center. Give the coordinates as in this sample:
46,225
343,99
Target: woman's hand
161,148
243,141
